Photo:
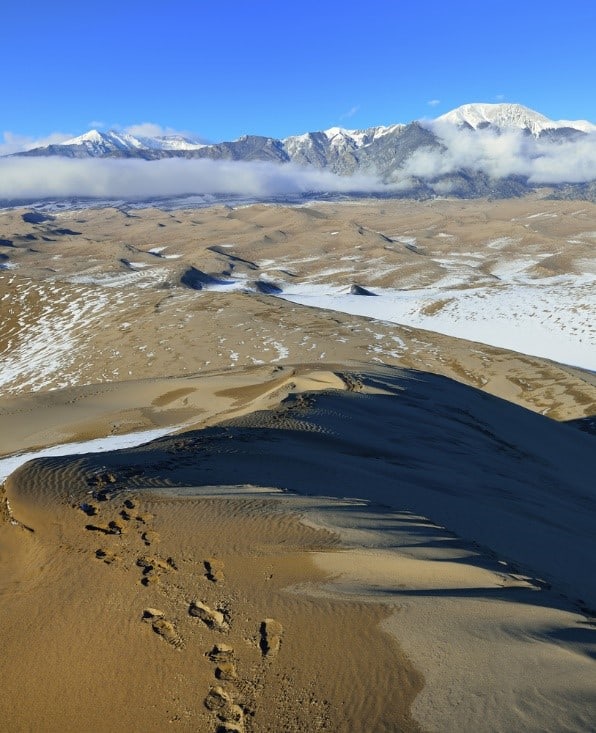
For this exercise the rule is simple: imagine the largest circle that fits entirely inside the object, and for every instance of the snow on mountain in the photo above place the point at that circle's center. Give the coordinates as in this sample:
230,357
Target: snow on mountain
93,137
422,158
99,143
342,150
170,142
509,116
340,137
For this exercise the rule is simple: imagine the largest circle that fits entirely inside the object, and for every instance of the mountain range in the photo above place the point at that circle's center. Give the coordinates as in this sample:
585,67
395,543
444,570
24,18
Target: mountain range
384,151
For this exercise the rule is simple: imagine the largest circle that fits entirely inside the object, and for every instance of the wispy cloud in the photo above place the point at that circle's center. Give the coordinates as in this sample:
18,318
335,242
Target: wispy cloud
350,113
151,129
433,102
499,97
146,129
15,143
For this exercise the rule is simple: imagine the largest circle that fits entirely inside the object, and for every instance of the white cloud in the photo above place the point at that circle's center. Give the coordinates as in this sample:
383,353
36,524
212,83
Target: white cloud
350,113
434,102
504,154
30,178
150,129
15,143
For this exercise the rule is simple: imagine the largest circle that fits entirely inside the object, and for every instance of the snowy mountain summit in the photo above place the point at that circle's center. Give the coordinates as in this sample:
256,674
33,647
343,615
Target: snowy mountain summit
95,144
508,117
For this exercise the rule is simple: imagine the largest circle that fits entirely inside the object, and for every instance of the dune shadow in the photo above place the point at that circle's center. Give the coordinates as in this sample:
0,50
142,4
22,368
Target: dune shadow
496,475
585,424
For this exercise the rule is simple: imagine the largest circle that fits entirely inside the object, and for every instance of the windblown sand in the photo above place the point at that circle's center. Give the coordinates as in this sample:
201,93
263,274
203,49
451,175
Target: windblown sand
325,542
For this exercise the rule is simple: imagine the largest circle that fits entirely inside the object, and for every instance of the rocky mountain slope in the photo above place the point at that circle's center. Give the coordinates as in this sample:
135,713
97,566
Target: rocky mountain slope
424,158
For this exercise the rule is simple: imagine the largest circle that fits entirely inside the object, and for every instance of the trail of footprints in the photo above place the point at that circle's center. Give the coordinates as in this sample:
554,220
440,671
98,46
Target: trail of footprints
223,698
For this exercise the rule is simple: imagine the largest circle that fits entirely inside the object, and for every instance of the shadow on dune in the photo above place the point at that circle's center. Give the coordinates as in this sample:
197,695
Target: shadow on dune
488,470
585,424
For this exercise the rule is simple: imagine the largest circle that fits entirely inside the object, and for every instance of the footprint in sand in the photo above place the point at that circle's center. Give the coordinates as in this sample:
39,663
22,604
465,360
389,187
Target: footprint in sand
217,699
150,537
271,632
214,568
91,510
101,495
112,527
226,671
232,719
152,566
229,727
107,556
167,631
116,527
210,617
231,715
150,577
145,518
163,627
221,653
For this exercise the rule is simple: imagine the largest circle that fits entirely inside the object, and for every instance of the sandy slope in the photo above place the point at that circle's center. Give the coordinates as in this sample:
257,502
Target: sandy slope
501,477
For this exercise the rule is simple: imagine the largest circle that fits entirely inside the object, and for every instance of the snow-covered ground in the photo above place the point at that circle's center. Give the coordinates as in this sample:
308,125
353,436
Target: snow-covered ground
554,318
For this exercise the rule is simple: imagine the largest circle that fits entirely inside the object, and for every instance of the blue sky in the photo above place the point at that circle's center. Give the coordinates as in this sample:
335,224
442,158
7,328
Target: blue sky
278,68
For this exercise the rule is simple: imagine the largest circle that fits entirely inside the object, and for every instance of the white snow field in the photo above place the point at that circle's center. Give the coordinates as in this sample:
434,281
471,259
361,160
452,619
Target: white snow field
553,318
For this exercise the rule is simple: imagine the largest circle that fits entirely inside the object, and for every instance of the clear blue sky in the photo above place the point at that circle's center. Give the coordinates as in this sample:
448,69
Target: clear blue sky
222,69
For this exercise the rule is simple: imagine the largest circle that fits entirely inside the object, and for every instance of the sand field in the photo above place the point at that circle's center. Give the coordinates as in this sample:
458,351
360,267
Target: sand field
351,524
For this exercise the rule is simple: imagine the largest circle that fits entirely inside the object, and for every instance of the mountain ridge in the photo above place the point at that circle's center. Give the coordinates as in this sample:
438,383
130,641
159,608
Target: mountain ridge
420,159
501,116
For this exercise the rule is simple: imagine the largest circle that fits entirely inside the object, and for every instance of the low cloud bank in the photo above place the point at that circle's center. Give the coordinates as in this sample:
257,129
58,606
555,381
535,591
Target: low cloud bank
31,178
508,153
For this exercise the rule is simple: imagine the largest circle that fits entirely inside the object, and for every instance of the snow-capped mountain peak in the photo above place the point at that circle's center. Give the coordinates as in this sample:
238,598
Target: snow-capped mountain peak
93,137
98,143
508,116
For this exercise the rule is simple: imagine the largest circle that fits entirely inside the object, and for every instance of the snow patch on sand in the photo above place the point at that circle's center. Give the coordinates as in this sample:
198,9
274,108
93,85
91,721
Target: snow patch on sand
97,445
551,318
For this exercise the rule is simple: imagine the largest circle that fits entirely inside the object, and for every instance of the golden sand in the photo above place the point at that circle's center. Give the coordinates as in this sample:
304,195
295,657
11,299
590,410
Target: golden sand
434,568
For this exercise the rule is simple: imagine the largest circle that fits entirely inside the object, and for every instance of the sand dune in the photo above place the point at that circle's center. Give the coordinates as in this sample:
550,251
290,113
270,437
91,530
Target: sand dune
346,523
514,486
489,470
73,314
